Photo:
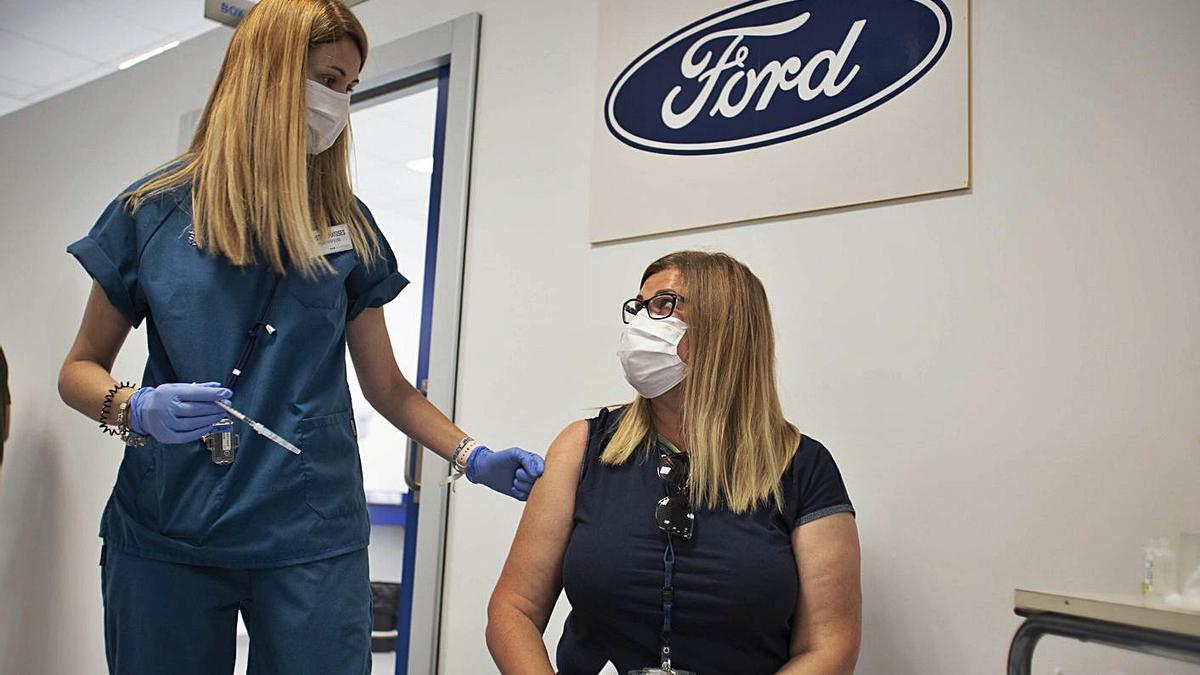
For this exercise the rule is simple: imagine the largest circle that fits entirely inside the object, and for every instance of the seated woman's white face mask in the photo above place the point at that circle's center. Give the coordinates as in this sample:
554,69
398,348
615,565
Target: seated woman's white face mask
649,354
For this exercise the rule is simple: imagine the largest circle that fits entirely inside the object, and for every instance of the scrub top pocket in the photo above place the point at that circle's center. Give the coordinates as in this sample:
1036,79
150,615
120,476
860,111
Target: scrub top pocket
332,469
186,491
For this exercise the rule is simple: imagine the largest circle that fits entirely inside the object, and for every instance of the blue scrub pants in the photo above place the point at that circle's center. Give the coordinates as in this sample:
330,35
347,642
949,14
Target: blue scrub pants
162,617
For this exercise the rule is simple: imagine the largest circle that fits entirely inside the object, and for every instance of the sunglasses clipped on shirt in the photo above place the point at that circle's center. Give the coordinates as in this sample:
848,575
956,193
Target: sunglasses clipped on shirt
674,514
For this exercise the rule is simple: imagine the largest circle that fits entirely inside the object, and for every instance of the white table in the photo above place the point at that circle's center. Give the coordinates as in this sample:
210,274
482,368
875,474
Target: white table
1124,621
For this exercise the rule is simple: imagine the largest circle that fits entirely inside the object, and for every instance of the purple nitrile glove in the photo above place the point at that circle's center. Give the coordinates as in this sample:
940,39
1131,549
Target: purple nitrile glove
177,412
510,472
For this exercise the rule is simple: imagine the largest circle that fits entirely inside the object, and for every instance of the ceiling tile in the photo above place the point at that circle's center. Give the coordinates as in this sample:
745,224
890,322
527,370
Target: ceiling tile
164,16
82,30
35,63
9,9
14,89
196,28
72,82
49,46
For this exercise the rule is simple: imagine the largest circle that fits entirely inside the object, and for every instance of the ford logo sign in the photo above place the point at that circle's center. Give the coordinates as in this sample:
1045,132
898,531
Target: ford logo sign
769,71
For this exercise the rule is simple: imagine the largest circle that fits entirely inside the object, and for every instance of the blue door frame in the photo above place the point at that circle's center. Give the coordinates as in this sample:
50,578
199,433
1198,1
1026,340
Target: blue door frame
411,502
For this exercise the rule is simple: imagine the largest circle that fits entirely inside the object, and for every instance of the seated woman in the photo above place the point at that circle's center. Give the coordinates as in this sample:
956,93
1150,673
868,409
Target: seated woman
694,528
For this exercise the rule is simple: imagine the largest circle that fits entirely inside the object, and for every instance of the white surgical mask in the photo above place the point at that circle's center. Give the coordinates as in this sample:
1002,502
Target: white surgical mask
328,113
649,353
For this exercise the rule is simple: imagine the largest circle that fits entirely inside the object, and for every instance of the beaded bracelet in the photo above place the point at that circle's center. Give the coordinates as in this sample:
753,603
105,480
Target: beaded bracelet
465,447
466,455
462,445
106,408
119,428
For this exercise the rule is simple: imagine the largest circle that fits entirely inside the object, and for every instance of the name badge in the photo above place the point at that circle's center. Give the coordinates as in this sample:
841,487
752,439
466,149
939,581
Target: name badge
338,241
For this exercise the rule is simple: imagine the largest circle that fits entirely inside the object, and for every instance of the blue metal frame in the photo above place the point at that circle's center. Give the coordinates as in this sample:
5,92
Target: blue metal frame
412,506
390,514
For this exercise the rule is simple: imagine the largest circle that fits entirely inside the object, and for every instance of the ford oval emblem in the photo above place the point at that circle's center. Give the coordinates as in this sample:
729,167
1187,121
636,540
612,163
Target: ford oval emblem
769,71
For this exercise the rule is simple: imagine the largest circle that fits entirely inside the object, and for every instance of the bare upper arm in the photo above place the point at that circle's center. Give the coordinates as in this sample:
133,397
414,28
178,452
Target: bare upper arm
371,351
101,332
829,608
532,575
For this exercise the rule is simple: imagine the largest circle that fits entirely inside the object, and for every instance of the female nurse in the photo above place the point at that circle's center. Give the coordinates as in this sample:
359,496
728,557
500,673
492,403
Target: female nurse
254,267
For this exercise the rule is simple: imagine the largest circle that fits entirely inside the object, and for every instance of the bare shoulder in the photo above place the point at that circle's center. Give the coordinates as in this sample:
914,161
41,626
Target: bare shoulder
830,538
552,500
565,454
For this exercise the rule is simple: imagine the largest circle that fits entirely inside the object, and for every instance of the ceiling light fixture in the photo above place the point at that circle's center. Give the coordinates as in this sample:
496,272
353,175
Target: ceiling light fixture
150,54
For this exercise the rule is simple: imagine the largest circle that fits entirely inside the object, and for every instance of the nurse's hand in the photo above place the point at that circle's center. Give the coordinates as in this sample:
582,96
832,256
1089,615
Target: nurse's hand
511,472
178,412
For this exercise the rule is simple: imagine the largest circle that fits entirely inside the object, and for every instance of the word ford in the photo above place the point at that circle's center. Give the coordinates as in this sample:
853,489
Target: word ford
762,84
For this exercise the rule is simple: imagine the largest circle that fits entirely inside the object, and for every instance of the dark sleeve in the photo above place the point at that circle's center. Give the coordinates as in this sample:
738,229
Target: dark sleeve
376,284
600,429
5,401
816,485
5,395
109,254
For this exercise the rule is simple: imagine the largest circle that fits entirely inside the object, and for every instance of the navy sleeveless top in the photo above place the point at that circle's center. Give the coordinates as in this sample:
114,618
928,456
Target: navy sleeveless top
735,582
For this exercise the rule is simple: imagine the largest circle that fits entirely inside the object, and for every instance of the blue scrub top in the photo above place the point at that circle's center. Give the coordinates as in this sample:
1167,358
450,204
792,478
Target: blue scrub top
270,507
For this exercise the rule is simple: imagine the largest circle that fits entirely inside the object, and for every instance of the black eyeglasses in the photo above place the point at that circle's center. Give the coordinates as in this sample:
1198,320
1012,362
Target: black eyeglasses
660,306
674,512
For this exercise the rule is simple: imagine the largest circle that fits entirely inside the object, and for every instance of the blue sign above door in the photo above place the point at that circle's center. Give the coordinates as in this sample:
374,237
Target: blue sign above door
769,71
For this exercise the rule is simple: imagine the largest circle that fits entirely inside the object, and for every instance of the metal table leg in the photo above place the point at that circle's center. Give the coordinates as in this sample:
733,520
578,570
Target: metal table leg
1159,643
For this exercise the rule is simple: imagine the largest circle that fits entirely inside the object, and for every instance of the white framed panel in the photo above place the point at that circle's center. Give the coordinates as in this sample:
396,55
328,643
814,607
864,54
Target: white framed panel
711,112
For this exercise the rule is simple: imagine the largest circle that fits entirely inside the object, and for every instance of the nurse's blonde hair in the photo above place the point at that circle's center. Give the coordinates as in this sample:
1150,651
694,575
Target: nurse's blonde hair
255,191
738,442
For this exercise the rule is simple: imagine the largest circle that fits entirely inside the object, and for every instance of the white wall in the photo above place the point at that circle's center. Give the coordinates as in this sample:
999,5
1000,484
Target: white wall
1009,377
61,161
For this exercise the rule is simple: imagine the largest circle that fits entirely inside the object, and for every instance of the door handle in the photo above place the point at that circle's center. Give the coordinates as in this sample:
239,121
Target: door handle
412,466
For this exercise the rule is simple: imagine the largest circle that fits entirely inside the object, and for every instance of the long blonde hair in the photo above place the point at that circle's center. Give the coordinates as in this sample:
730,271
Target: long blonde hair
254,188
738,442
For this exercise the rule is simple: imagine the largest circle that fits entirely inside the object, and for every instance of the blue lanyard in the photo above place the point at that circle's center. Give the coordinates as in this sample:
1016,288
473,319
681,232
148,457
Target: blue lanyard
668,599
252,337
